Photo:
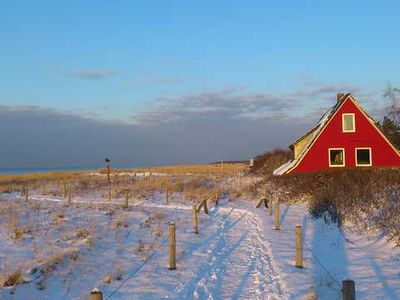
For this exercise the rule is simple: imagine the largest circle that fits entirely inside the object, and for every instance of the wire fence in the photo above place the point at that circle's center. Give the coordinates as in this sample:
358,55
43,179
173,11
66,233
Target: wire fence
164,241
148,258
307,247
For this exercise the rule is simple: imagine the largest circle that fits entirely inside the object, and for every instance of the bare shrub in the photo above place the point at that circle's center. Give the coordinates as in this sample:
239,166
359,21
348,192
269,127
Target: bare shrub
59,217
140,246
118,273
82,233
18,233
49,260
13,277
367,197
267,162
157,215
35,205
157,231
120,221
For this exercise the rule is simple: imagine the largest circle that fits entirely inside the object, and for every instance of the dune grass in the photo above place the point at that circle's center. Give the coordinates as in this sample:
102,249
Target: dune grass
205,169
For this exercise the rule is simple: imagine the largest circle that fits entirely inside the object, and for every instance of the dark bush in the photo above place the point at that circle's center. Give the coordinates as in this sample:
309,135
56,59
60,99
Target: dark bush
267,162
367,197
326,210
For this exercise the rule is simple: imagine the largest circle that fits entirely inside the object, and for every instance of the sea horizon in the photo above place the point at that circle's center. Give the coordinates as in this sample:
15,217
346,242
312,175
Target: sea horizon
18,171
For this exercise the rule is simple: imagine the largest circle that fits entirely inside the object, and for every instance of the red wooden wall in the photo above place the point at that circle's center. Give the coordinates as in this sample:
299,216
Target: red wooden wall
366,135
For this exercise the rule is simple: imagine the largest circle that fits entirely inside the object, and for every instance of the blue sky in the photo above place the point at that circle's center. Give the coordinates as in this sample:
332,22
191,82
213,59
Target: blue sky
128,61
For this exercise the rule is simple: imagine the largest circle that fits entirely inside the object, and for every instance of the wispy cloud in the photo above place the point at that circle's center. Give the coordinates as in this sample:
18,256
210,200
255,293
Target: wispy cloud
236,103
93,74
228,104
87,74
326,90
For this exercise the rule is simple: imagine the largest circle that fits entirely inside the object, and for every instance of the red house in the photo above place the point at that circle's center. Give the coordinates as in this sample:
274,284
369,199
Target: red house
345,137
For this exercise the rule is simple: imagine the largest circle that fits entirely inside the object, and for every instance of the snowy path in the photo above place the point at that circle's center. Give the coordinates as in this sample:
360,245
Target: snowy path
236,255
238,264
228,259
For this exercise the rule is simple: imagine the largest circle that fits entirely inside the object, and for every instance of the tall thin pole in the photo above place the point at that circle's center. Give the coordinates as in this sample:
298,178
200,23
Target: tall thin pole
108,173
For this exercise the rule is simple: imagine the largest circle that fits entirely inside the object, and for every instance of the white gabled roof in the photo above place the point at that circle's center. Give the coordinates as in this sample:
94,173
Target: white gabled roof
282,169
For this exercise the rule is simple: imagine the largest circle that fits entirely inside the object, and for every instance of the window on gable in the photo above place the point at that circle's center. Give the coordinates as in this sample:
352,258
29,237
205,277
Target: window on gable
336,157
348,123
363,157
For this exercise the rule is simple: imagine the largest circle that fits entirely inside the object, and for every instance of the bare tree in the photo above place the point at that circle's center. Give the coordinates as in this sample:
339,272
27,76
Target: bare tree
390,124
392,94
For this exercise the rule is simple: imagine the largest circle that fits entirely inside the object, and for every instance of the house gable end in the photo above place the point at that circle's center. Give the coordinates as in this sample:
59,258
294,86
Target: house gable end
331,135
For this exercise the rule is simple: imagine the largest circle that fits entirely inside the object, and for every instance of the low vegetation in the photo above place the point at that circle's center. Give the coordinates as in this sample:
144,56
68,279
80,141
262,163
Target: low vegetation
62,233
368,198
267,162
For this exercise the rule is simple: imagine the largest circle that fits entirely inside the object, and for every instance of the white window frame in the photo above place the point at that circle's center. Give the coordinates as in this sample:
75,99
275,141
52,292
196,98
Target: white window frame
370,156
329,157
354,122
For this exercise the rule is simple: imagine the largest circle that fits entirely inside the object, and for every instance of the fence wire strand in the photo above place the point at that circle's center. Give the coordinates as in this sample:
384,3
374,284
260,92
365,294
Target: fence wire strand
148,258
315,256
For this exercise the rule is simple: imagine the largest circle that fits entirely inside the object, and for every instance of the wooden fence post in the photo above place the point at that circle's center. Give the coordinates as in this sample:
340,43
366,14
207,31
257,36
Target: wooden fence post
95,294
172,246
262,200
65,189
216,198
44,187
166,197
349,290
126,203
277,222
26,194
109,192
69,196
205,206
195,220
22,191
270,207
299,247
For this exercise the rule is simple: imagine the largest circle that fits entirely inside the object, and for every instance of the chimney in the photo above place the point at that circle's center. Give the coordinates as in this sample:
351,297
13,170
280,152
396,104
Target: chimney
339,96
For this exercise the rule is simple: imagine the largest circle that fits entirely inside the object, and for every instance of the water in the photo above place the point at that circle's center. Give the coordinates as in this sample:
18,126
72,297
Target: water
41,170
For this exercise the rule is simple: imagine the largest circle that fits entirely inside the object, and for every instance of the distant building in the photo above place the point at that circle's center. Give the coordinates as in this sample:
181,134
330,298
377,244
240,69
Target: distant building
345,137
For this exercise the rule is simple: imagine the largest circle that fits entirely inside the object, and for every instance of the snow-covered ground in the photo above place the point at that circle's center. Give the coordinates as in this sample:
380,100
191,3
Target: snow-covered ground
68,250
